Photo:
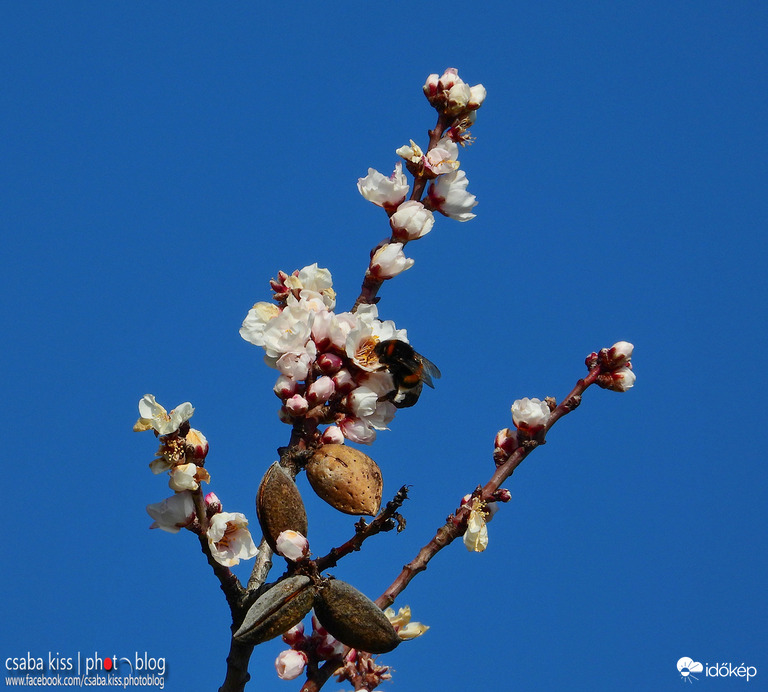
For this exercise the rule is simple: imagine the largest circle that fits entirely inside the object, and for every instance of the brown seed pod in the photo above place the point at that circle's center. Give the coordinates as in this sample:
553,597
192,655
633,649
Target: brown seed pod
346,479
353,618
279,506
277,610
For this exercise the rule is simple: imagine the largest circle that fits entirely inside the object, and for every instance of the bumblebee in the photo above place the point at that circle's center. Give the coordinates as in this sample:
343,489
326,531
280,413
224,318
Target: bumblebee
409,370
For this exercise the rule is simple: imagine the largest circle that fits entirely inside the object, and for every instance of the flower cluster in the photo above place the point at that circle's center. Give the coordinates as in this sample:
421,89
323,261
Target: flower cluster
320,645
329,370
447,192
615,365
182,454
410,219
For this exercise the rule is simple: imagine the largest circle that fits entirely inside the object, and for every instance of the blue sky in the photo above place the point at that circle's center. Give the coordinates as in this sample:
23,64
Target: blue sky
161,161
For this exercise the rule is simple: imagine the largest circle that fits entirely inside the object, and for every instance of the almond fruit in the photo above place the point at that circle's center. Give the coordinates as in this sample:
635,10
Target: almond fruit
277,610
346,479
353,618
279,506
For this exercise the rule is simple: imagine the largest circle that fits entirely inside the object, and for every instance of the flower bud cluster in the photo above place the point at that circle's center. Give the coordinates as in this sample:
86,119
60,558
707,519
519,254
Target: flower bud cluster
320,646
362,670
615,366
329,371
457,104
182,449
449,94
182,453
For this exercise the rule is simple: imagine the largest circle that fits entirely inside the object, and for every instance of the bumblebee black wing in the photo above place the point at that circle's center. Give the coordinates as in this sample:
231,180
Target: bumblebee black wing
428,371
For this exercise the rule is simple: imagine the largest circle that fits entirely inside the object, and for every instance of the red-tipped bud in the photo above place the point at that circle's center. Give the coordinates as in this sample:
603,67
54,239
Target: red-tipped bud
329,363
212,505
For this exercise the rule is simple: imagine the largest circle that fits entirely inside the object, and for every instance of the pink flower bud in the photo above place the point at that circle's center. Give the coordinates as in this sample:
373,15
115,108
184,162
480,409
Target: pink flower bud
320,390
292,545
197,446
430,87
285,387
344,382
290,664
317,627
448,79
458,97
329,647
506,440
332,436
295,635
296,405
329,363
502,495
212,504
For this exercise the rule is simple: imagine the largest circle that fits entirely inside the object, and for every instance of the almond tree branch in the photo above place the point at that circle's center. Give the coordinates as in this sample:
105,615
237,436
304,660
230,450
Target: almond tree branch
457,523
384,521
371,284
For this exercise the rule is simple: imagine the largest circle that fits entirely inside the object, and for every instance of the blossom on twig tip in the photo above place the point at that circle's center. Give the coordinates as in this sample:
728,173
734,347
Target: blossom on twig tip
153,416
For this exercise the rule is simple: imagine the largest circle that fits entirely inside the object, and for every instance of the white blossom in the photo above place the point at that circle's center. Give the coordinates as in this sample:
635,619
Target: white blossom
257,321
448,195
173,513
476,535
154,416
389,261
229,539
622,379
292,545
290,664
411,153
411,220
620,353
296,364
530,413
383,191
188,477
357,430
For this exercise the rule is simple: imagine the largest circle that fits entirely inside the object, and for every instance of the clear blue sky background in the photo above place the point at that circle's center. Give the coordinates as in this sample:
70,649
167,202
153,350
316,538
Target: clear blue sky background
161,161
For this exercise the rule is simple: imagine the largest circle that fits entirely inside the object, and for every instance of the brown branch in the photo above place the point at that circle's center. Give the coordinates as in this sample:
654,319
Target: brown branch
384,521
237,667
457,523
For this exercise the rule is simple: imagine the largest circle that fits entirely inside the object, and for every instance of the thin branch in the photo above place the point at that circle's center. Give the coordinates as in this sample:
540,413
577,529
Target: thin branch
457,523
384,521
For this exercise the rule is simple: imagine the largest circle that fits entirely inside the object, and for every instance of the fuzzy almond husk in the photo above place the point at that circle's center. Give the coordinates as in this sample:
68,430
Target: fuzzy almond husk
279,506
277,610
353,618
346,479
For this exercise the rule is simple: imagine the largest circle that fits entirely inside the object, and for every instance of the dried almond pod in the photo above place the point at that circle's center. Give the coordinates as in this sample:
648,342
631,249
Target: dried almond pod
277,610
279,506
346,479
353,618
